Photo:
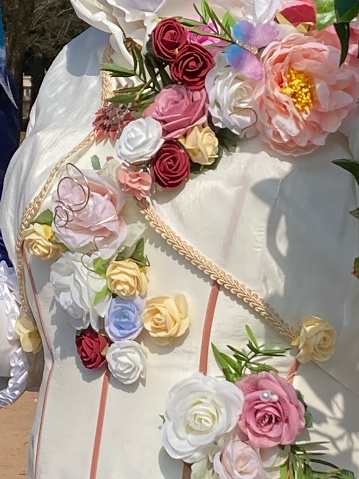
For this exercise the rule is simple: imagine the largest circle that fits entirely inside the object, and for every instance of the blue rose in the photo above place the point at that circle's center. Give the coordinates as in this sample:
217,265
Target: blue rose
123,320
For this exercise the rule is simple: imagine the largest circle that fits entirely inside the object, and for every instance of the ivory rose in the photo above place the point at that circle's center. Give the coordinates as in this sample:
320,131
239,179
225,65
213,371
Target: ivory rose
199,411
37,239
87,213
166,319
126,362
28,334
126,279
135,183
178,109
316,341
201,144
305,95
272,412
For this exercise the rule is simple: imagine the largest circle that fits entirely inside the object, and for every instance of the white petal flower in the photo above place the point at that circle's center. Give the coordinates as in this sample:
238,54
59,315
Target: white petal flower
76,287
199,411
140,140
231,99
127,361
261,11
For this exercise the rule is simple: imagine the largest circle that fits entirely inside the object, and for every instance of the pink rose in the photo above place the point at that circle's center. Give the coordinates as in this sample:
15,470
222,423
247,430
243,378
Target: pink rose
299,11
305,95
178,109
272,413
136,183
87,213
205,40
238,460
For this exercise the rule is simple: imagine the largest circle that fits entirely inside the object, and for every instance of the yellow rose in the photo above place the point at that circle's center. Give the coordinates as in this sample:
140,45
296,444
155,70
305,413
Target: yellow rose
37,240
201,144
29,335
126,279
166,318
316,340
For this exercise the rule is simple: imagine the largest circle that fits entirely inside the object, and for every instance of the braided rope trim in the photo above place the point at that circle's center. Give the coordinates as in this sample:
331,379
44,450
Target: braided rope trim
245,294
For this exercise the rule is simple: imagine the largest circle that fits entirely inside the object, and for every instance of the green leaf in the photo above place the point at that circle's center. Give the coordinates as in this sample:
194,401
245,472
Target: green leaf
204,10
151,71
139,253
355,213
100,266
228,21
251,336
45,218
351,166
101,295
220,359
137,55
123,99
308,419
227,139
118,71
346,10
187,22
343,32
95,162
325,13
356,268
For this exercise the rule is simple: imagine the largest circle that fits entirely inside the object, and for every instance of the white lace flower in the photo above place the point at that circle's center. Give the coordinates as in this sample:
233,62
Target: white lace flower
127,361
76,287
231,99
140,140
199,411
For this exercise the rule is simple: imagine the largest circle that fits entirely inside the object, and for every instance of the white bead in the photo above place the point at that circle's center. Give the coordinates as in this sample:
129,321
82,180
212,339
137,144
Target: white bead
266,396
274,398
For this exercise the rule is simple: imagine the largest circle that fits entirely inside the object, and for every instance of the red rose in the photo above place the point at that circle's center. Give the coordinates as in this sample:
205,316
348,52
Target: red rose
90,346
191,66
167,38
171,165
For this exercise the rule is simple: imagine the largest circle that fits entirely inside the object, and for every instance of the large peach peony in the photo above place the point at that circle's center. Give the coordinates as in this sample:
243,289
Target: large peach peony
305,94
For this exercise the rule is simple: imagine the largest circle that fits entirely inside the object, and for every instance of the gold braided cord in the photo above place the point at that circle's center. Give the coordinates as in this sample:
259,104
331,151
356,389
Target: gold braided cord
245,294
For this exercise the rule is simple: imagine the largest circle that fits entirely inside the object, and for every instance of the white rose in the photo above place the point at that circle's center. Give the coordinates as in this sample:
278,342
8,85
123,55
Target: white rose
140,140
199,411
261,11
76,287
272,459
203,470
127,361
231,99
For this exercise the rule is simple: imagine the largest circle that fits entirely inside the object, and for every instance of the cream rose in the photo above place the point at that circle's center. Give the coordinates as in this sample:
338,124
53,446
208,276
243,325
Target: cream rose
166,318
37,239
126,279
28,334
316,340
126,361
201,144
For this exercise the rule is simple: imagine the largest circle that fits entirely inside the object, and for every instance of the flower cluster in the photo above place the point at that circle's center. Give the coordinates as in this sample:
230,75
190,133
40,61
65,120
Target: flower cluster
244,427
202,84
99,271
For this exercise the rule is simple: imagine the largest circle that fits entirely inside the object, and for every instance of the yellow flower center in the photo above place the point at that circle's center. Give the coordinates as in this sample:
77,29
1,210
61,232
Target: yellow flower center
300,87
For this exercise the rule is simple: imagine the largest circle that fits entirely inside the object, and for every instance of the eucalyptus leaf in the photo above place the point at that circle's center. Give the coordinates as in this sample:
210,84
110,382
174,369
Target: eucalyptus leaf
326,15
351,166
95,162
45,218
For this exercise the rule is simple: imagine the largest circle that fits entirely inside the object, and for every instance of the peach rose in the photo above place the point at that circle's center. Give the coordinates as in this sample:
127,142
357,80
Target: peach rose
316,341
37,239
28,334
126,279
305,95
136,183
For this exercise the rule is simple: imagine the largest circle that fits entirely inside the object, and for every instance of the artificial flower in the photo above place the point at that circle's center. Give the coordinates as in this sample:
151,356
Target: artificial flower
28,334
207,41
299,11
87,215
127,362
254,37
201,144
238,460
37,240
110,120
178,109
272,412
76,287
171,165
139,140
231,99
203,470
305,96
191,66
168,38
92,348
316,341
199,411
135,183
123,319
126,279
260,11
166,318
